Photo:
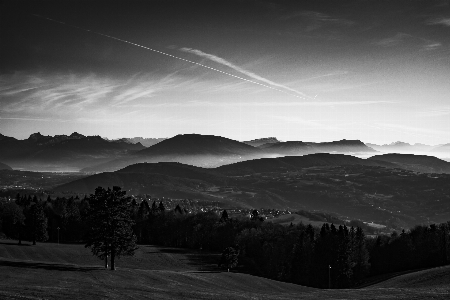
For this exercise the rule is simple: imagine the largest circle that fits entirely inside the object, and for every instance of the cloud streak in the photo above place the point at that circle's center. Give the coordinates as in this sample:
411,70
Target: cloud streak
440,21
241,70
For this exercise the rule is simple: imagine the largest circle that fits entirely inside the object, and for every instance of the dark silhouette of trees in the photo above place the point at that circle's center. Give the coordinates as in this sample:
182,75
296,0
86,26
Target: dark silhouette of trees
296,253
12,220
224,216
110,224
36,221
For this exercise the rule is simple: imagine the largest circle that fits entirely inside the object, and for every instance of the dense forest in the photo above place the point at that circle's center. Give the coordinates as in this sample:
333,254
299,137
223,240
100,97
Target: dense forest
329,256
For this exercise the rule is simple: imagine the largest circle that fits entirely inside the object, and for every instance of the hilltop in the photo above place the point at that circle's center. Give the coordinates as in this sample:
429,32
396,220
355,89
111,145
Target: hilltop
418,163
262,141
4,167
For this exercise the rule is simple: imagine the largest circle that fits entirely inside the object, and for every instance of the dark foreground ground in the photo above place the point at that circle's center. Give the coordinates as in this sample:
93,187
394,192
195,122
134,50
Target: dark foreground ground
52,271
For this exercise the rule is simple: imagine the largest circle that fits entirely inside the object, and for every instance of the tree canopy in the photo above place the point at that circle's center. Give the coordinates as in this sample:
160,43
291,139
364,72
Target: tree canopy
110,222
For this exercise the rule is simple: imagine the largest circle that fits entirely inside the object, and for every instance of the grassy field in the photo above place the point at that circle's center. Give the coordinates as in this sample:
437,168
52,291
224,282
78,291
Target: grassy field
52,271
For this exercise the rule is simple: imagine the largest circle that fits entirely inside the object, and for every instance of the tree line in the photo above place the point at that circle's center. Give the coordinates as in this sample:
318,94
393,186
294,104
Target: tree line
330,256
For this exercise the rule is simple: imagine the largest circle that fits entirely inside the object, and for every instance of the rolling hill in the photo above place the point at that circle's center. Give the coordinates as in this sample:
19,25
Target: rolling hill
367,189
295,163
160,179
62,271
418,163
4,167
429,279
262,141
342,146
288,148
443,150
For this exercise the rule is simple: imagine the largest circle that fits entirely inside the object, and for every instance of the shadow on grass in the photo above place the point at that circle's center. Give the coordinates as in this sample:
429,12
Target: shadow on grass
204,261
14,244
176,250
47,266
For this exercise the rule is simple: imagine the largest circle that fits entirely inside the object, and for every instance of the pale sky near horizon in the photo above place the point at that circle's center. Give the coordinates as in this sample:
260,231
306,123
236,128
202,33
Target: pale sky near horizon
377,71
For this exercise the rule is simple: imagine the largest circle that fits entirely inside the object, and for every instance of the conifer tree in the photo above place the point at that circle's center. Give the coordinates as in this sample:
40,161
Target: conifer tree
360,256
110,224
161,207
36,222
224,216
154,207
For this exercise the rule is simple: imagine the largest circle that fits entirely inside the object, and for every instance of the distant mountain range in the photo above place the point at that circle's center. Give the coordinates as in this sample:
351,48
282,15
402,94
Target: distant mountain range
263,141
192,149
402,147
213,151
95,154
146,142
61,152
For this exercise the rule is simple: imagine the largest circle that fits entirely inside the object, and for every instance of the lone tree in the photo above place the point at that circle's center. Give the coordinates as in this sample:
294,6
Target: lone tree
110,225
229,257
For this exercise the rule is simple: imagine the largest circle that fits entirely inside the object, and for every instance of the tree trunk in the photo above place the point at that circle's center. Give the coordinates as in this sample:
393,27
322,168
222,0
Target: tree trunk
34,227
106,256
113,267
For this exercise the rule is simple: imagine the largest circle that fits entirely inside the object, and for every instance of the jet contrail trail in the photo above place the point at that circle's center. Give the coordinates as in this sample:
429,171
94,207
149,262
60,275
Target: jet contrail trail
176,57
239,69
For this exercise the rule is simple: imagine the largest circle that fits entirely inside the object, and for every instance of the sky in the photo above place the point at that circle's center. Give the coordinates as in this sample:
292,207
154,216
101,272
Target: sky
314,71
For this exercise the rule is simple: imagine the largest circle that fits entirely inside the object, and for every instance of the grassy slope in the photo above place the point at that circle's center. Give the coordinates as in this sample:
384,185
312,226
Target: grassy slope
52,271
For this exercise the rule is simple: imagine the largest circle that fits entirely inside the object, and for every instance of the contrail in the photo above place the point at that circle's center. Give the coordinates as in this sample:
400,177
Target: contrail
180,58
237,68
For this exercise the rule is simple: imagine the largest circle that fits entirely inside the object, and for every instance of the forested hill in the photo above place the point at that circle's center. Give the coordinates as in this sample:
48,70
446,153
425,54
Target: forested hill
418,163
353,187
295,163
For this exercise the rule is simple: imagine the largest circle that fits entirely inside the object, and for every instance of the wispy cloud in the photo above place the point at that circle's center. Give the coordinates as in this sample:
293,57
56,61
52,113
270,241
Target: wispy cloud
260,104
239,69
400,38
440,21
339,73
393,41
72,93
436,111
412,131
316,20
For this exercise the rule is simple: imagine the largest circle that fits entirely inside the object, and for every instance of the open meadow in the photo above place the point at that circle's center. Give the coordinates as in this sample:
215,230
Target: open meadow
68,271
